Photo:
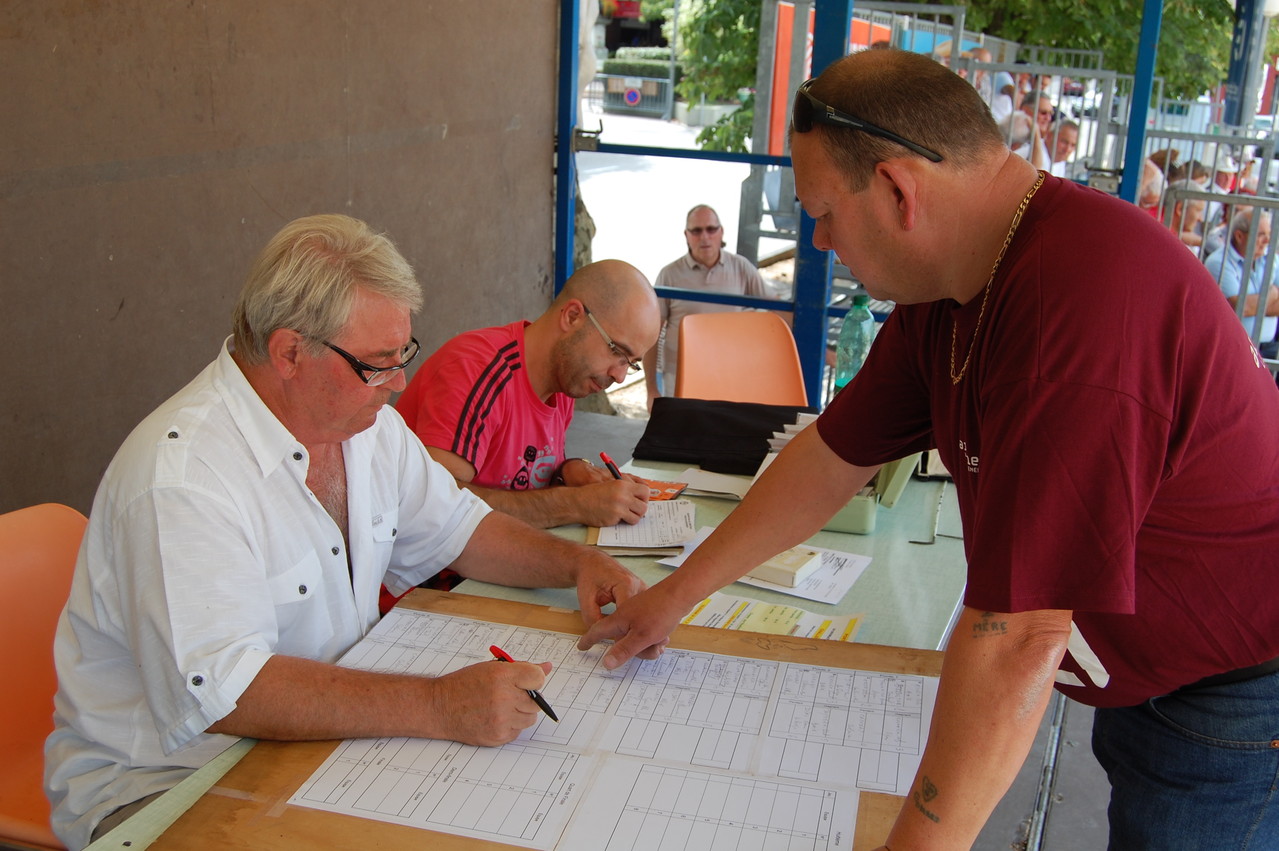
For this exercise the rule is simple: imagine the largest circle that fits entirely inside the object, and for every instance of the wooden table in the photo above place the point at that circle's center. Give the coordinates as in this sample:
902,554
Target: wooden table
247,808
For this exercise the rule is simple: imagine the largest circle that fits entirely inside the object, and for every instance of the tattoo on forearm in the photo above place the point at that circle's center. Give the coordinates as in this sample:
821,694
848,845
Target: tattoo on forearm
990,624
925,793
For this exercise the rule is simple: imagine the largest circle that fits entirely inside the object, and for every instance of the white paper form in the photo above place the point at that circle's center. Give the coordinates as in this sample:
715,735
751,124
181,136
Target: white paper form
830,722
828,584
516,794
676,809
759,737
666,524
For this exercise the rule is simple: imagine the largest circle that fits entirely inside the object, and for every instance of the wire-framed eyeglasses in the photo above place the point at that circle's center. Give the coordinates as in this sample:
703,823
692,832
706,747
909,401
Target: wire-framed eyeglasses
632,365
375,376
808,111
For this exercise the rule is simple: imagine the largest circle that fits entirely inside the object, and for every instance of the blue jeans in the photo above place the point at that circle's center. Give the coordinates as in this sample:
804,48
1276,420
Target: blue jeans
1195,769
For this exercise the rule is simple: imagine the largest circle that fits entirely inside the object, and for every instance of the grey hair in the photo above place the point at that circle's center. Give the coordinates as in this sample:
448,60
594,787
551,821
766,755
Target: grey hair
306,277
1241,221
706,207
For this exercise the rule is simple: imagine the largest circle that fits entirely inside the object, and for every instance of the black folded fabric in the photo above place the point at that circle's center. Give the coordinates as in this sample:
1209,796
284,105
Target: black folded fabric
722,437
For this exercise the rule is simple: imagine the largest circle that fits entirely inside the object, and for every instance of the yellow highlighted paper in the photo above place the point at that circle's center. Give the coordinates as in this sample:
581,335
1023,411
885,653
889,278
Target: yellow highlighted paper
721,611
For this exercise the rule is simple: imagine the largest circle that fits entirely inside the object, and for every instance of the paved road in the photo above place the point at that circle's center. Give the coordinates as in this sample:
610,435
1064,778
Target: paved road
639,203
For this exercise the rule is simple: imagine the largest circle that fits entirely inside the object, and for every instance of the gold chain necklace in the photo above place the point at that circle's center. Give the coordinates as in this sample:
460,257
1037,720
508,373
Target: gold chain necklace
956,377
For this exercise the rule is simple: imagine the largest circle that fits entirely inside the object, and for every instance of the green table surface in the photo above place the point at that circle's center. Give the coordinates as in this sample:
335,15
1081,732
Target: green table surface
908,595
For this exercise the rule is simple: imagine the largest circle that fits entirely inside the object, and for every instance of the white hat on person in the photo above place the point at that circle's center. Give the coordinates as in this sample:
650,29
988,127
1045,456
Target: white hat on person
1225,162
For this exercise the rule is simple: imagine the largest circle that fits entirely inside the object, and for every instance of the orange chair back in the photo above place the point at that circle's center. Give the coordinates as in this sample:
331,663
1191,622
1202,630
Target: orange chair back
747,356
38,547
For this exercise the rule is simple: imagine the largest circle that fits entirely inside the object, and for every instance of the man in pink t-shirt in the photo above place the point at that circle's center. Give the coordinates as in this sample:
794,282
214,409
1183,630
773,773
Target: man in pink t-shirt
493,405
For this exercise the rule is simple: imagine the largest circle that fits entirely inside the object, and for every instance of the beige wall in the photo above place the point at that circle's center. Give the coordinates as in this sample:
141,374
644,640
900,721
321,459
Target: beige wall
149,149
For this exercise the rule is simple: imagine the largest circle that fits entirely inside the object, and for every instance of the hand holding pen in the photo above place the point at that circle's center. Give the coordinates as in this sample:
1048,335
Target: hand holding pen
502,656
599,495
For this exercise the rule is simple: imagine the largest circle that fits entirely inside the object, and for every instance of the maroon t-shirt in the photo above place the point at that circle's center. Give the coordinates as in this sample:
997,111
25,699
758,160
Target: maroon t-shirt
1114,443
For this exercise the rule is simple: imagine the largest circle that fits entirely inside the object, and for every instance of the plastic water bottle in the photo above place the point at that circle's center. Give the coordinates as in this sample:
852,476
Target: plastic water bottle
855,337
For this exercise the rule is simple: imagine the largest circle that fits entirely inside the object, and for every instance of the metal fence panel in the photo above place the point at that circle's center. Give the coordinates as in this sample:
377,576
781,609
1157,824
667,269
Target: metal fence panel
636,95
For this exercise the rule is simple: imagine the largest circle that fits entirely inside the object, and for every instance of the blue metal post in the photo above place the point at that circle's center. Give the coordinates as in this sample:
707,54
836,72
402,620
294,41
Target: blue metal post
565,163
1142,85
813,267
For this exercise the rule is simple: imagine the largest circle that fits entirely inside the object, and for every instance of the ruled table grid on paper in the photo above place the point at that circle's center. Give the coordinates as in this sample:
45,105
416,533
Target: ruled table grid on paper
682,810
721,724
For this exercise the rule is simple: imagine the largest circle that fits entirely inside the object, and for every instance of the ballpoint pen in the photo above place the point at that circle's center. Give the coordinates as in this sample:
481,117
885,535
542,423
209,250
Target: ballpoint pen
502,656
611,464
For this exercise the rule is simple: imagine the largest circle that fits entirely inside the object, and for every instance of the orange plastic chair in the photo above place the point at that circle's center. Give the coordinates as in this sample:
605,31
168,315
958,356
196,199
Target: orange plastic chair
749,356
38,547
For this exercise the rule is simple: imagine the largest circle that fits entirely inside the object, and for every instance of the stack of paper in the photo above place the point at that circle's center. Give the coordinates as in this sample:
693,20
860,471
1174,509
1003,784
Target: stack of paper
778,441
661,531
703,483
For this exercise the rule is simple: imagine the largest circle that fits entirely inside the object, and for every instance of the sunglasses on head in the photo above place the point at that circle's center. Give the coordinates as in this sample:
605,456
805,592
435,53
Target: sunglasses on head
808,111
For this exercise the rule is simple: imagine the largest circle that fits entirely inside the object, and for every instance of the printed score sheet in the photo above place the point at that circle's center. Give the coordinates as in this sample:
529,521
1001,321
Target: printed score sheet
706,751
664,524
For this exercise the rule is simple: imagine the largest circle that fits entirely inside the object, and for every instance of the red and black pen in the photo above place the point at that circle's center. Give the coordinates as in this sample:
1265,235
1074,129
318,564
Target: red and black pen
502,656
611,464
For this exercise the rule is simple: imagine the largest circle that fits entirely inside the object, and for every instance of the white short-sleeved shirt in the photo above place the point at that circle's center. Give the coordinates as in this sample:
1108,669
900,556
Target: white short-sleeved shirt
1213,214
205,554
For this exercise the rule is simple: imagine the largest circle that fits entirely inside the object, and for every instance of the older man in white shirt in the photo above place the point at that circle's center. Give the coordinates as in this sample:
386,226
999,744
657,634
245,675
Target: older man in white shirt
240,536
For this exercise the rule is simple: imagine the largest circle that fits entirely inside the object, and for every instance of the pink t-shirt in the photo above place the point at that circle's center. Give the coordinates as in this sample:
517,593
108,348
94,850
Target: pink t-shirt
1113,444
473,398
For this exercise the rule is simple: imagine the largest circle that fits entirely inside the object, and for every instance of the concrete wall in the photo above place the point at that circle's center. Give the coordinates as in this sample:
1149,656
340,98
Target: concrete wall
149,149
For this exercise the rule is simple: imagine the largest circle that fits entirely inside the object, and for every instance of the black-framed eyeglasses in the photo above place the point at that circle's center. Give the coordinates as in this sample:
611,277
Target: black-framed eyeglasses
631,365
375,376
710,229
808,111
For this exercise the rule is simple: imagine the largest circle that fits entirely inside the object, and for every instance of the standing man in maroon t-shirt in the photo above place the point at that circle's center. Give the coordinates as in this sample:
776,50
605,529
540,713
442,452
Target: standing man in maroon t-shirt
1111,430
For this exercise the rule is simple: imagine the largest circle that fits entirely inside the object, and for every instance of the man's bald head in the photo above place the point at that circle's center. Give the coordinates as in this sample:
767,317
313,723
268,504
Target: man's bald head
604,320
611,289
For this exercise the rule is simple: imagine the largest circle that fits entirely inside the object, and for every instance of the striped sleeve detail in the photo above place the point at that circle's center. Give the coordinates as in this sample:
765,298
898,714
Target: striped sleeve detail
479,402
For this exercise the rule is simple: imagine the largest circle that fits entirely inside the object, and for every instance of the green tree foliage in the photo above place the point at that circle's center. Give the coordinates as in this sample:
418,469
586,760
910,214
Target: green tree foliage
1194,41
718,43
656,10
